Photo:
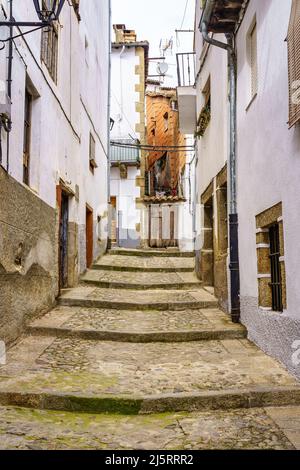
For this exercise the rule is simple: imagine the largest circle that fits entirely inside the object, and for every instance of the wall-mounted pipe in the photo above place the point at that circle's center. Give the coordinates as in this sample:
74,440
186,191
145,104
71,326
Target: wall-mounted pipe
232,208
9,79
109,221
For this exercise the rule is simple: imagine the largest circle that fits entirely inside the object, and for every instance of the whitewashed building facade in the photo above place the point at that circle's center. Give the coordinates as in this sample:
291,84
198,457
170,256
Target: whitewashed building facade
267,111
129,69
54,182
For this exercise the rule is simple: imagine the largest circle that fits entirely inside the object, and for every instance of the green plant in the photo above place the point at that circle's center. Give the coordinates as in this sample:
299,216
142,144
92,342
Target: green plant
203,121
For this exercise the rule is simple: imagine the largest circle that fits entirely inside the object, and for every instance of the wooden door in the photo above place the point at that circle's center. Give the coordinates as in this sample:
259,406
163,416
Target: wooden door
63,240
162,227
89,237
113,201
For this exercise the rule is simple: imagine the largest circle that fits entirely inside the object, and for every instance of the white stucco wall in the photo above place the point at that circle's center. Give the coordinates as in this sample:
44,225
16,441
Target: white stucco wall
123,93
268,172
187,210
213,146
123,110
63,114
126,192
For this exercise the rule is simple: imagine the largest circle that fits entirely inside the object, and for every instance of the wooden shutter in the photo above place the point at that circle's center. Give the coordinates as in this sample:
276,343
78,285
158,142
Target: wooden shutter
253,53
293,41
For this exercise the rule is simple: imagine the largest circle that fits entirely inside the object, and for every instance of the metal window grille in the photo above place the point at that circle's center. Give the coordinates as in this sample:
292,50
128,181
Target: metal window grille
293,42
49,50
275,284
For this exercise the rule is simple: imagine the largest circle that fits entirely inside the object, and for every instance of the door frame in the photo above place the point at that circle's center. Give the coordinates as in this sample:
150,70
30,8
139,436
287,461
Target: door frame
62,197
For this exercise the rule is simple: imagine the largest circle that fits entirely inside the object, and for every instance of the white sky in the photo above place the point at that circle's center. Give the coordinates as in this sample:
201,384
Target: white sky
154,20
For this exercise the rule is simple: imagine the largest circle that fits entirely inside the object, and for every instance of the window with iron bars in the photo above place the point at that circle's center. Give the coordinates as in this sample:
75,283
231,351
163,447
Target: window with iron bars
49,49
276,283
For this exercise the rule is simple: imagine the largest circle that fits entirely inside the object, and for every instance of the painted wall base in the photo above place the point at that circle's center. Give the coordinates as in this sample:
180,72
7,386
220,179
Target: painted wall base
274,333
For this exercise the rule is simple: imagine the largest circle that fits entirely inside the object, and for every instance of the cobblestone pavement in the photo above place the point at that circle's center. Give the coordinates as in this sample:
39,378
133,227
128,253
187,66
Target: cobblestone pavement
135,299
138,370
128,352
81,318
238,429
142,279
147,262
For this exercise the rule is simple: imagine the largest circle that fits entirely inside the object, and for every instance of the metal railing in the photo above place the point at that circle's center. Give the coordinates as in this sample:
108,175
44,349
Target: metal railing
120,153
186,66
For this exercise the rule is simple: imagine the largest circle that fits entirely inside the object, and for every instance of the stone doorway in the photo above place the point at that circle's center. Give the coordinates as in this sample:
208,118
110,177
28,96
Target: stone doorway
207,252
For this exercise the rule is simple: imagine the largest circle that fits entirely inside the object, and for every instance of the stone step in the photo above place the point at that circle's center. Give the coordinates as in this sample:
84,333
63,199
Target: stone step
137,326
168,252
142,280
128,378
140,264
258,428
93,297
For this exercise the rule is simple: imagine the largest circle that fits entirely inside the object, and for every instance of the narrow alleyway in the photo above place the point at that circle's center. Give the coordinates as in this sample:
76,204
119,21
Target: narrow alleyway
139,357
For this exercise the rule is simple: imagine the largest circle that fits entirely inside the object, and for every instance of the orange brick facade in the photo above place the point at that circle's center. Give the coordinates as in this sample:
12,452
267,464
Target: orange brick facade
163,130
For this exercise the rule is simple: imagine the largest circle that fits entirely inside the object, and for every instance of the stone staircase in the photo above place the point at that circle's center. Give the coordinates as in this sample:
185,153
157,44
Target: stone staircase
140,335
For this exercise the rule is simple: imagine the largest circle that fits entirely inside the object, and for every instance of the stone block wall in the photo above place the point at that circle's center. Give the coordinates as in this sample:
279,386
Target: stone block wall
213,256
28,257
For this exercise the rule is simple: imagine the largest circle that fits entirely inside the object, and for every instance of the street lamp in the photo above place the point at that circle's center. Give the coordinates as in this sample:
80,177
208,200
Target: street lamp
47,11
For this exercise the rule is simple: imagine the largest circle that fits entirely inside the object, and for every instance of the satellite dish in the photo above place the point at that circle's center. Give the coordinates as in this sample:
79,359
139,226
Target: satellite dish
162,68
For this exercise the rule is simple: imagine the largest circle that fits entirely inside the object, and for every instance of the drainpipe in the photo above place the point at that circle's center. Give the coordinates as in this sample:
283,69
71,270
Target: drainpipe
233,215
108,131
8,125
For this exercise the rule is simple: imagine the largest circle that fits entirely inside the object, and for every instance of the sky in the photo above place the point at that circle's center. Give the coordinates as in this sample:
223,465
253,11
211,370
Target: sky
156,20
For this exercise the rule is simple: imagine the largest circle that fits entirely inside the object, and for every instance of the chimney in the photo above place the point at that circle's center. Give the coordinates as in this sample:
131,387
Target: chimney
124,35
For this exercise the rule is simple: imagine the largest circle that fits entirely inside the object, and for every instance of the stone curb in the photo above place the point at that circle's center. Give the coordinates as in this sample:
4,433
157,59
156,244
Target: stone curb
202,401
127,337
153,253
94,303
138,269
126,285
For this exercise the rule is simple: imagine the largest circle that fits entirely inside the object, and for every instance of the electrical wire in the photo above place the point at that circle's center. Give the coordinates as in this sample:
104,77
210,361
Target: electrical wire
123,114
123,144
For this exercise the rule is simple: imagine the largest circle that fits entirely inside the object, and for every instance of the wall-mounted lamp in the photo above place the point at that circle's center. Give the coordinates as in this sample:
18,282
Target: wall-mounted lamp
47,11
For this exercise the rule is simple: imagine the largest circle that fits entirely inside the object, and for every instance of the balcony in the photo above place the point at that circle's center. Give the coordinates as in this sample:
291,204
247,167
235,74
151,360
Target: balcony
120,153
186,92
225,16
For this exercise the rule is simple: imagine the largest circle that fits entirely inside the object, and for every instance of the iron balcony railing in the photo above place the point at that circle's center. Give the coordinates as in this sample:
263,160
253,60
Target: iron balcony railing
186,66
119,153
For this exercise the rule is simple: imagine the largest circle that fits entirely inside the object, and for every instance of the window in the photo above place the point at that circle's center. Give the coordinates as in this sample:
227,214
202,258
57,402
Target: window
275,284
206,96
49,48
270,260
205,114
75,4
253,61
86,49
27,136
166,121
174,105
92,154
293,42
